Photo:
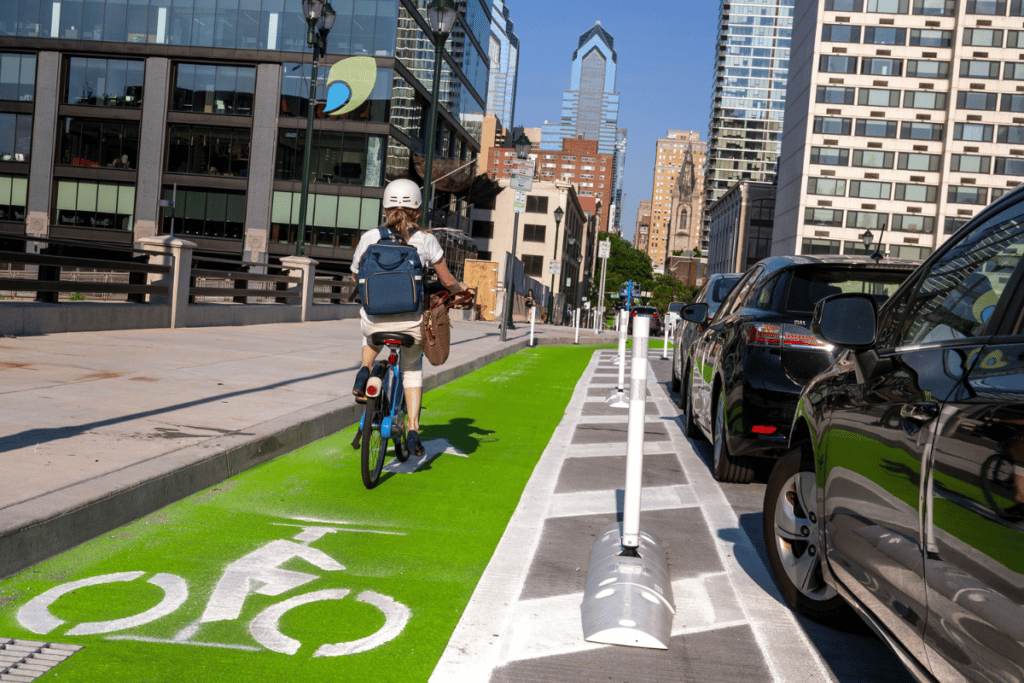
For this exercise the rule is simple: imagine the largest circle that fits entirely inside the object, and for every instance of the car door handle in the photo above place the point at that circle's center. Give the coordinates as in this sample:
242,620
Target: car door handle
920,412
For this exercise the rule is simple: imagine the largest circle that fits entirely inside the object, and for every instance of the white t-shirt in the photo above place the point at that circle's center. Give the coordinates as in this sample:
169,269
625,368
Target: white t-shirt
426,246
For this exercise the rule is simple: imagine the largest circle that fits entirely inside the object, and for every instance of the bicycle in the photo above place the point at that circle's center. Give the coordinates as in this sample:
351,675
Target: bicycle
998,483
385,416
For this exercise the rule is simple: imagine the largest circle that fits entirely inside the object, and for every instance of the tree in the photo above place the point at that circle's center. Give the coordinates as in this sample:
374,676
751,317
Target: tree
624,264
668,289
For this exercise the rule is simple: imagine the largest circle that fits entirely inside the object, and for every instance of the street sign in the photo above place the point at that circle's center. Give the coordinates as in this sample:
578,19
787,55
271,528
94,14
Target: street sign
524,167
519,202
521,182
555,267
604,249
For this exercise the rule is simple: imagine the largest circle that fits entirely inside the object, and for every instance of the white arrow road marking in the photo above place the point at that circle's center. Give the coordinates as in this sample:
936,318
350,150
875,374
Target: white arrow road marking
434,448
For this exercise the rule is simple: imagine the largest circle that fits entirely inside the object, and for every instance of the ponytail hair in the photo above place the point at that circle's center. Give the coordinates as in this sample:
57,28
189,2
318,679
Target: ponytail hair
402,220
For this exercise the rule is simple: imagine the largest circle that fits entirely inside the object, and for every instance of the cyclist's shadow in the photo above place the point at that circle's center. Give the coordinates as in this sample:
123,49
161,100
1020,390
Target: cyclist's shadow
460,437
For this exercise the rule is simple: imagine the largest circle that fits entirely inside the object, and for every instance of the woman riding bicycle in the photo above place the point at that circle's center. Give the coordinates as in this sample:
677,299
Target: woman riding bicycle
402,201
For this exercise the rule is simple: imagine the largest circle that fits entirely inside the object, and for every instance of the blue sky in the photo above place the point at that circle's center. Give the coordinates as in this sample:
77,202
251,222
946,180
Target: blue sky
665,71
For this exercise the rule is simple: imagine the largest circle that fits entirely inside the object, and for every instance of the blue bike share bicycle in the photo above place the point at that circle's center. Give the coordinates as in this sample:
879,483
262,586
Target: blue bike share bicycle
385,417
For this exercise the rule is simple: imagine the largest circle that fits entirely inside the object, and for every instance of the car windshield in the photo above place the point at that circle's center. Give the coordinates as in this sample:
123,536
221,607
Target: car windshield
675,306
812,284
722,288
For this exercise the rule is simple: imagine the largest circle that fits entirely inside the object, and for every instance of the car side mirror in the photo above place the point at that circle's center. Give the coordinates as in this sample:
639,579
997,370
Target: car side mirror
696,313
846,320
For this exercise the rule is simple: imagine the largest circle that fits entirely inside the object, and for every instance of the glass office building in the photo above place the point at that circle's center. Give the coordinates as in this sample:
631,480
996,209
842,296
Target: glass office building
108,108
504,57
749,96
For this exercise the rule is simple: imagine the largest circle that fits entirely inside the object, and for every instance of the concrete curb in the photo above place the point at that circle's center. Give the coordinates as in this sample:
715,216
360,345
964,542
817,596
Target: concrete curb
45,526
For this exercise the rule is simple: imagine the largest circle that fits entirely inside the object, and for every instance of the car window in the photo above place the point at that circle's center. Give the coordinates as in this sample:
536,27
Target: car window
738,295
763,298
961,289
811,284
722,288
675,306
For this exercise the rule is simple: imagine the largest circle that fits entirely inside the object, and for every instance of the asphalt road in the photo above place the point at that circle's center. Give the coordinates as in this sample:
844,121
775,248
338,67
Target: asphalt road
855,655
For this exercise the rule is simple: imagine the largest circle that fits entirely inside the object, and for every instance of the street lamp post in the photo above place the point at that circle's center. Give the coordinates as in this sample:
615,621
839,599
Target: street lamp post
551,295
523,146
319,17
867,238
441,15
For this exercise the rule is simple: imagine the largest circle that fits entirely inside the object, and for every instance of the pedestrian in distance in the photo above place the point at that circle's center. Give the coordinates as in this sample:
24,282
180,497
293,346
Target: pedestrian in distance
529,300
402,208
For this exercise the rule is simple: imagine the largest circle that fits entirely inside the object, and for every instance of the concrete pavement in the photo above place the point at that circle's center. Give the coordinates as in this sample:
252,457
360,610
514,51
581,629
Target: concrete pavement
100,428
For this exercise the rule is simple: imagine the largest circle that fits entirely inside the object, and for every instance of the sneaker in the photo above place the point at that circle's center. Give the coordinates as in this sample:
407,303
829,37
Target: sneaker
359,388
413,444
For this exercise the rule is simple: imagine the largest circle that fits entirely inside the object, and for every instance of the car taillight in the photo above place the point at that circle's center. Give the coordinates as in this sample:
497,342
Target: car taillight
654,315
774,334
764,334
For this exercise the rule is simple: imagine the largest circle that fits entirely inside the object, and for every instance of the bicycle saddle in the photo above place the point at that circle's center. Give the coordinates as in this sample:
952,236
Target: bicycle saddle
391,338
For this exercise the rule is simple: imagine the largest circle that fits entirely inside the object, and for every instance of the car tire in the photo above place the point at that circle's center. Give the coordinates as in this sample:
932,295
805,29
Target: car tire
675,379
791,537
690,427
725,467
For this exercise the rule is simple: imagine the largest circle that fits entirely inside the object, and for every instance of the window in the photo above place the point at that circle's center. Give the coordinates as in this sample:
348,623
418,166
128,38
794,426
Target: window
831,125
95,205
877,97
213,89
912,222
16,137
909,251
830,156
13,198
93,142
869,189
983,37
1013,71
838,64
927,68
917,161
483,230
813,247
973,132
533,266
857,249
337,221
866,220
1016,8
536,204
17,77
992,7
840,33
969,163
888,6
835,95
208,150
873,158
1011,102
924,99
920,130
984,101
1015,39
826,186
483,256
926,37
844,5
913,192
953,223
104,82
1009,166
876,128
880,66
885,35
978,68
935,8
967,194
533,233
221,213
828,218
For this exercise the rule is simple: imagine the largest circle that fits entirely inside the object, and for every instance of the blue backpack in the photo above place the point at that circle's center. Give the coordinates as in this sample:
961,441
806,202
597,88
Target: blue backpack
390,277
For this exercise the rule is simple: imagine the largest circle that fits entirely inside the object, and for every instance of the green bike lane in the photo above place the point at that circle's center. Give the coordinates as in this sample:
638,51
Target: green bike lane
293,571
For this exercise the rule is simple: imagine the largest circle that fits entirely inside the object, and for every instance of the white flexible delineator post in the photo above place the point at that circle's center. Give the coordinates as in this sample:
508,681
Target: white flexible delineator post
665,331
635,434
579,312
618,397
532,309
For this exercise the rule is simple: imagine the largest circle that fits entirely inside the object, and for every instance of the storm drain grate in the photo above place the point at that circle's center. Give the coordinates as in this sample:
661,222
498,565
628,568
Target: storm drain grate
26,660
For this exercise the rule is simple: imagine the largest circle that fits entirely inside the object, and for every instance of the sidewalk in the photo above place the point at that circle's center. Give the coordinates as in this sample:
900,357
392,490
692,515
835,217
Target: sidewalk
100,428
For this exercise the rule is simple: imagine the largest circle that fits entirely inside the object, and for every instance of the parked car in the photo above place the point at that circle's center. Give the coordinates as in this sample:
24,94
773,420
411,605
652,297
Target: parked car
672,316
901,495
713,293
649,312
748,367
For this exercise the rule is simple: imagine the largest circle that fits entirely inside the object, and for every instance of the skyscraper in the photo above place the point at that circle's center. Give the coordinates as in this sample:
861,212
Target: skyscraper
504,56
590,107
749,98
676,197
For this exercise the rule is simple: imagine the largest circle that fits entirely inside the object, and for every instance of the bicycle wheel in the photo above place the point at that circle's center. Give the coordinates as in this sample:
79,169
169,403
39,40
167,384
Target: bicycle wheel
997,483
400,426
374,445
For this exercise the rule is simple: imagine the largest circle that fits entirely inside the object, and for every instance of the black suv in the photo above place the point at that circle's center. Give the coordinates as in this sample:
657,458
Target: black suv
903,492
748,367
648,312
713,293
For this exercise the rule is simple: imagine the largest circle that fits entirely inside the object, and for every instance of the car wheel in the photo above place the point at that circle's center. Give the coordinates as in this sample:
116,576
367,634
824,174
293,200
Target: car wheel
690,427
791,537
675,377
726,468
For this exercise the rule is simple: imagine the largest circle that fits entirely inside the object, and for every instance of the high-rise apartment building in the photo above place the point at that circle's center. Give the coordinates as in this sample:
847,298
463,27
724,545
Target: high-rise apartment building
504,68
905,116
590,108
109,109
749,97
677,196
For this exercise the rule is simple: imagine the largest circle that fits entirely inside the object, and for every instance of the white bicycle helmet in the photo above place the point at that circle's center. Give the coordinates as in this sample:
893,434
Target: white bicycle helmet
402,192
